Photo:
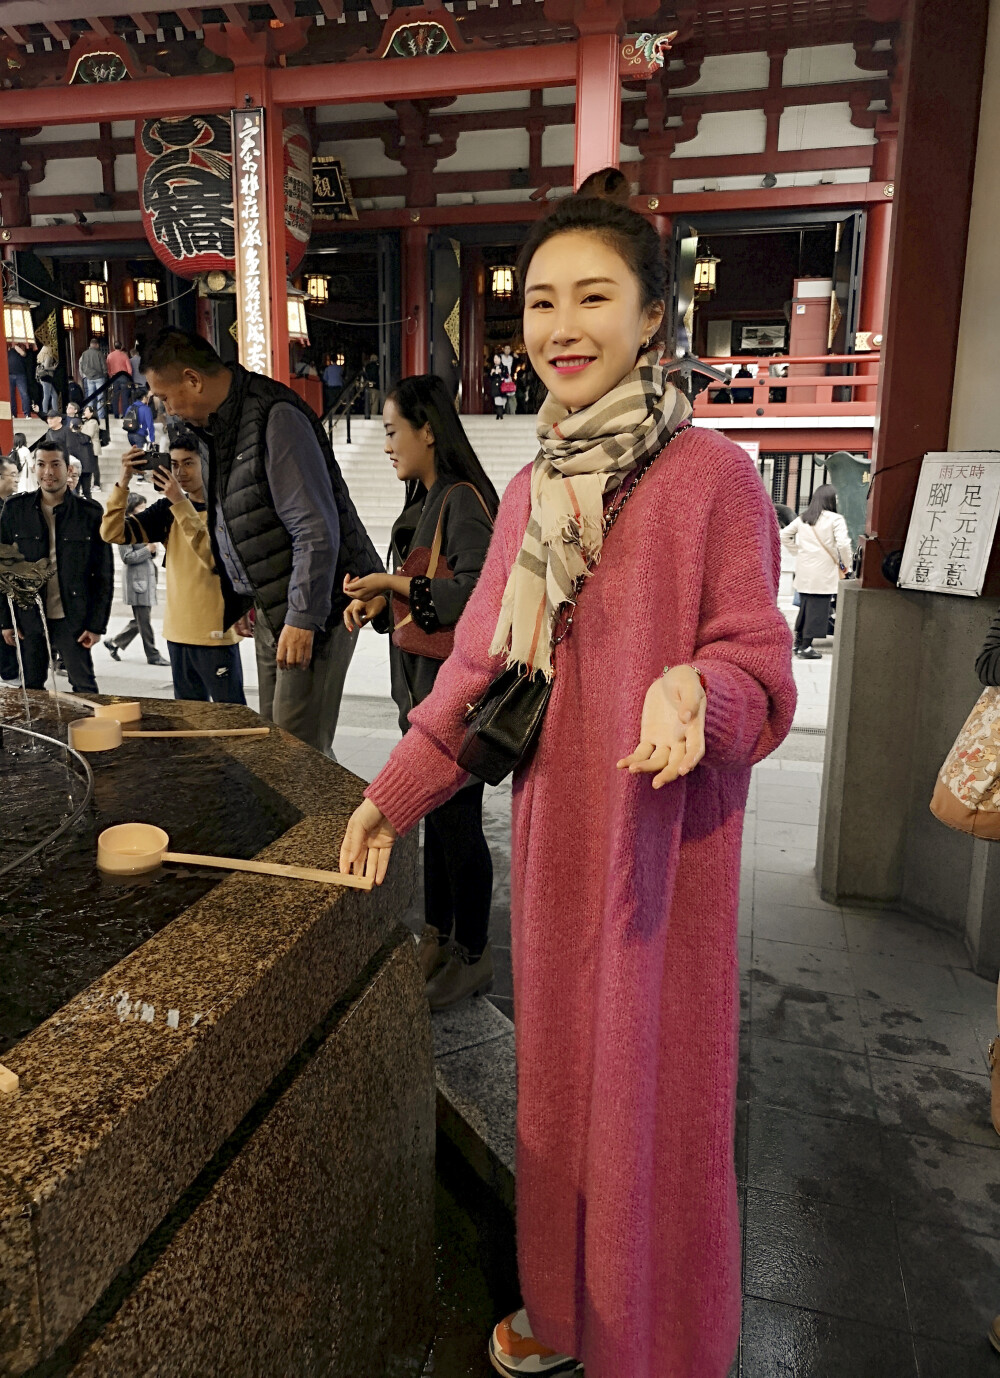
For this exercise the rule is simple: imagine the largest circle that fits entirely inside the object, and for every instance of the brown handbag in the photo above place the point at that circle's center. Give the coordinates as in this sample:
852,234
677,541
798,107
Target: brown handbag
421,561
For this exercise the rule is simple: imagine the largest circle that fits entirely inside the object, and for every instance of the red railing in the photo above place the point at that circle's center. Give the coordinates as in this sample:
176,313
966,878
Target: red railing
809,388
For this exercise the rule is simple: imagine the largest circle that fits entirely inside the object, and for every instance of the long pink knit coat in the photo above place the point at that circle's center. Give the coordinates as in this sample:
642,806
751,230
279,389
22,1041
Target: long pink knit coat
623,913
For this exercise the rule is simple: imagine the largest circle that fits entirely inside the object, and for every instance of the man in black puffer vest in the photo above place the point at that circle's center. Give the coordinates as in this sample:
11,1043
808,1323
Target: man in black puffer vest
284,531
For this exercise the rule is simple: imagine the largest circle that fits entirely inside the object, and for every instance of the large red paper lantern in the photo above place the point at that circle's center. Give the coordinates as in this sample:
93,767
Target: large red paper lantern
185,170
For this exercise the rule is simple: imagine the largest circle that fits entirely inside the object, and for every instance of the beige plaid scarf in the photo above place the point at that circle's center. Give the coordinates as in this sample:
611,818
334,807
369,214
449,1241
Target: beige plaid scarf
584,455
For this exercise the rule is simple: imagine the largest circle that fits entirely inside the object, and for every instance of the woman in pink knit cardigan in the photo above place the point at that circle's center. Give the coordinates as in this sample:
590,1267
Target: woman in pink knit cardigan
625,888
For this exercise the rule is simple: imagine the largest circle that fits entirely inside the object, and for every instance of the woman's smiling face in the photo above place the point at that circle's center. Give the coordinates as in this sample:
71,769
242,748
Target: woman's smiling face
584,323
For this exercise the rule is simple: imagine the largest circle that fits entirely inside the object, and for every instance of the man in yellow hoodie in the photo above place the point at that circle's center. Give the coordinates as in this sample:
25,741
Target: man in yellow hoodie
204,657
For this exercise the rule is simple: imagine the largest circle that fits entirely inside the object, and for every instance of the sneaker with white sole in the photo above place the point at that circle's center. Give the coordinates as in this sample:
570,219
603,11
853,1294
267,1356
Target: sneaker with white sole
514,1351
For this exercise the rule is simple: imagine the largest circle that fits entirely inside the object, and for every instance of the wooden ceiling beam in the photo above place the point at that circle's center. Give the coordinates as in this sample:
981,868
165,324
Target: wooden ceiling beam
283,10
333,9
235,14
60,33
726,101
189,19
103,28
144,24
16,35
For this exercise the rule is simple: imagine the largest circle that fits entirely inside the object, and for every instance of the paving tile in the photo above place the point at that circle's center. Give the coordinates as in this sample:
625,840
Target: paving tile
789,1342
770,887
785,923
795,964
807,1253
944,1184
791,861
787,835
795,1014
504,1004
938,1359
468,1024
933,1101
740,1141
978,998
816,1081
837,1161
937,1038
787,812
888,934
503,983
918,986
952,1282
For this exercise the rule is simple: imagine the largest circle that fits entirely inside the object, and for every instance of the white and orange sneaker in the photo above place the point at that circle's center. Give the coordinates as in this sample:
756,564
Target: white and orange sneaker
514,1351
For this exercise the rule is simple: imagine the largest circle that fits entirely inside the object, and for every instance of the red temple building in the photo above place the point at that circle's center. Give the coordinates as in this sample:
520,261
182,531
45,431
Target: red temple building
761,139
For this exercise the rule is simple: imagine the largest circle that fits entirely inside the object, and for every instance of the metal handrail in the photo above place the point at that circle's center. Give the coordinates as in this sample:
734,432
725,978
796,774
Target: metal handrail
342,407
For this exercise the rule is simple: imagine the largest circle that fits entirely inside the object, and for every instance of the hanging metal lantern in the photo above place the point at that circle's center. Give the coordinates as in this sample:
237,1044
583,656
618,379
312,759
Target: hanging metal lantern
318,288
298,330
147,291
503,282
68,318
704,274
17,322
95,292
97,325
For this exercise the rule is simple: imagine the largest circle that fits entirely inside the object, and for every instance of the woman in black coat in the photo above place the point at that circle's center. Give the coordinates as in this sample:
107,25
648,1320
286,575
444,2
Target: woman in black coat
431,454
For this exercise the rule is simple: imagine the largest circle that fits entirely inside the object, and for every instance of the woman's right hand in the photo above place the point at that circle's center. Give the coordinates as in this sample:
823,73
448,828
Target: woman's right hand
358,613
367,844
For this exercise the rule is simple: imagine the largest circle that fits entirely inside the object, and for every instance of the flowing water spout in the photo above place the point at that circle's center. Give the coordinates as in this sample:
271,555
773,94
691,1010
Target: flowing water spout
48,647
20,662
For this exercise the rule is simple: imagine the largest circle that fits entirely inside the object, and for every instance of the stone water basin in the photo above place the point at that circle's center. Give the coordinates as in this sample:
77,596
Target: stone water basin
220,1157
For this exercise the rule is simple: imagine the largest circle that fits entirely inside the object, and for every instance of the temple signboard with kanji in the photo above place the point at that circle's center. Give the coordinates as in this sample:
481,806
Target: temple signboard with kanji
950,536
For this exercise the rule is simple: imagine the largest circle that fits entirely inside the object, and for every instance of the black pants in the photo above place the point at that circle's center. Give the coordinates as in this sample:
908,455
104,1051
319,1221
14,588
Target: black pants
458,870
8,662
86,480
813,619
140,625
77,659
209,674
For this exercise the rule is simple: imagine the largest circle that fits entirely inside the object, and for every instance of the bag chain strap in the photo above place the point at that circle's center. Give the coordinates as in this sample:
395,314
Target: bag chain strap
567,610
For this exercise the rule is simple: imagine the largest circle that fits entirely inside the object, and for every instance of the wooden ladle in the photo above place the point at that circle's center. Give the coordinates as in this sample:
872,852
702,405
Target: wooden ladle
132,848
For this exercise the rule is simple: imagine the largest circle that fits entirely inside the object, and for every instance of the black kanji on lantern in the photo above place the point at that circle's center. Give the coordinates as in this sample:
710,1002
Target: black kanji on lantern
187,188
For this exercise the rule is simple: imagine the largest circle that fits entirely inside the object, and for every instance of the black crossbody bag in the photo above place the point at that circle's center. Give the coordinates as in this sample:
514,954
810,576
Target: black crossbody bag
503,726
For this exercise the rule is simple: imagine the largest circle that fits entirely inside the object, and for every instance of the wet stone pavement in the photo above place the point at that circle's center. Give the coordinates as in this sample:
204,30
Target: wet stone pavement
868,1169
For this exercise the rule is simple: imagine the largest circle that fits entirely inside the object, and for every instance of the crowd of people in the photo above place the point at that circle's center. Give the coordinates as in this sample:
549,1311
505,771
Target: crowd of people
627,810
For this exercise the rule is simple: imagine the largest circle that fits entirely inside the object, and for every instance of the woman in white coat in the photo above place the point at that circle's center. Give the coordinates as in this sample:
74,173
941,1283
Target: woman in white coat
820,542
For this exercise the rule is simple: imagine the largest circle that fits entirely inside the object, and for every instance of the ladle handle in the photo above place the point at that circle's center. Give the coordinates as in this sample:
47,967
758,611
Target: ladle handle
271,868
205,732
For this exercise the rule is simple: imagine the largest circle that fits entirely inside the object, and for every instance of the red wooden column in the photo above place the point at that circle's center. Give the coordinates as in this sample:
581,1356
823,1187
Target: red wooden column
473,329
875,270
598,105
416,310
939,122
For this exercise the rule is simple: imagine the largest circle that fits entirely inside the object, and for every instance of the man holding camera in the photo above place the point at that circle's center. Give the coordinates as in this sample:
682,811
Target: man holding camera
204,656
284,531
64,528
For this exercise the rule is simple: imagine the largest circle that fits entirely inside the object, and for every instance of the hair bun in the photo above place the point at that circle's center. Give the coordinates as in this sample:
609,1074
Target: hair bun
610,184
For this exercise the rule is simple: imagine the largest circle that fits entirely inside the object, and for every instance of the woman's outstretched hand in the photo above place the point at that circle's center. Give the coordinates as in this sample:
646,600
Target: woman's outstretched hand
672,735
367,844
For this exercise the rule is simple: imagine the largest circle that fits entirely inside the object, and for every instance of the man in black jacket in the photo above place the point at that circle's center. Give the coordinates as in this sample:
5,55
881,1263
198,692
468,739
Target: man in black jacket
64,528
284,531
